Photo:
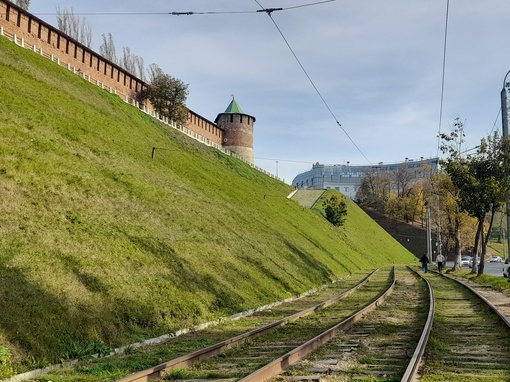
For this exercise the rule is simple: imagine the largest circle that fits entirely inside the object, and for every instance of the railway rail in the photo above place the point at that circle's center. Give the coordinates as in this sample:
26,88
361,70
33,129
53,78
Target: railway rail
252,350
393,324
426,327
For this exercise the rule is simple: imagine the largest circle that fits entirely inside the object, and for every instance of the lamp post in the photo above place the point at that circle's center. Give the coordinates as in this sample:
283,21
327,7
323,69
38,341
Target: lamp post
504,117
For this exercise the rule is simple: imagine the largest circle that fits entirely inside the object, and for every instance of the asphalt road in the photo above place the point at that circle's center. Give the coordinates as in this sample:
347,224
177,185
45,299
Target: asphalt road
495,269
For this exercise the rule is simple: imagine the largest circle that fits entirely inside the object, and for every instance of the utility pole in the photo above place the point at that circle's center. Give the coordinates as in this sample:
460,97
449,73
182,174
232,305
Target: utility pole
429,234
504,117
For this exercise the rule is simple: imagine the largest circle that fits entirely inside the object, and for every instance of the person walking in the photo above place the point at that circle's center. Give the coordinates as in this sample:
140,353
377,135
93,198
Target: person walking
424,263
440,262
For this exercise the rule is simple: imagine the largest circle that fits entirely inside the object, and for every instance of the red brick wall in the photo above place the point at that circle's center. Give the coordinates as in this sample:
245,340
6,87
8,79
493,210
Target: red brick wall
34,32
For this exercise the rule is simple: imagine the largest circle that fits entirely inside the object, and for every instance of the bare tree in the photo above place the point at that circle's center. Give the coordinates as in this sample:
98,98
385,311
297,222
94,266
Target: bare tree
132,63
24,4
107,48
403,180
74,26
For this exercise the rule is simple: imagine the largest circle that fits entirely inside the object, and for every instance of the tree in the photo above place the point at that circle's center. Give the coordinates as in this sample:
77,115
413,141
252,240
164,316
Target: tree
132,63
74,26
107,48
482,181
375,188
166,94
403,180
453,220
23,4
335,209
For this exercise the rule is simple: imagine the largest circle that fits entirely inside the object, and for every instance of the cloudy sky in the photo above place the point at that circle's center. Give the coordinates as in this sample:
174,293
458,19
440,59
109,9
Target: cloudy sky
374,66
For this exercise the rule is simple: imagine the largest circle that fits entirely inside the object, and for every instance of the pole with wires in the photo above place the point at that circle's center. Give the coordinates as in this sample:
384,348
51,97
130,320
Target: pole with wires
504,118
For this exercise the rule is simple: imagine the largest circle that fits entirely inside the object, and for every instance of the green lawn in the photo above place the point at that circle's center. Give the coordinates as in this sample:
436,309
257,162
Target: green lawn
100,245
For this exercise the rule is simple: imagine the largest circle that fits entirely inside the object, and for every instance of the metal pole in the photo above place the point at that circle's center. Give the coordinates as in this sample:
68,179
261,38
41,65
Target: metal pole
429,234
504,117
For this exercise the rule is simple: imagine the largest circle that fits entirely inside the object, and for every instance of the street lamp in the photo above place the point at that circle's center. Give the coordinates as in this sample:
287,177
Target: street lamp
504,117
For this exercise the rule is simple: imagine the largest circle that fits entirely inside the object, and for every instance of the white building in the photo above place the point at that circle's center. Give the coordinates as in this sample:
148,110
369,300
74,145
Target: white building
346,178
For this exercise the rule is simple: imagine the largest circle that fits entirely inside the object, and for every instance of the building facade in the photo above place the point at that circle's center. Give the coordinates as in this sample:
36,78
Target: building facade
346,178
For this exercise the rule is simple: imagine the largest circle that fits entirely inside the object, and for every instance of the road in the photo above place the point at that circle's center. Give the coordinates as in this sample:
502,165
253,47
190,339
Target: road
494,269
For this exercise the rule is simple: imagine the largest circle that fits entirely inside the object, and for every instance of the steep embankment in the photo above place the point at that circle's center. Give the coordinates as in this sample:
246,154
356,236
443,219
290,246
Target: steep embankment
101,243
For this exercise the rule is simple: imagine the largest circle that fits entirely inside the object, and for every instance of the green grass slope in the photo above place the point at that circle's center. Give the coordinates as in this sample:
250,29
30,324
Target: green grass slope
100,244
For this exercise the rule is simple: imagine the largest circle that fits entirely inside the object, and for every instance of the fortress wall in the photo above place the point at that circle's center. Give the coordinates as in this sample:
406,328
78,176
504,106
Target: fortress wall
43,38
204,127
34,33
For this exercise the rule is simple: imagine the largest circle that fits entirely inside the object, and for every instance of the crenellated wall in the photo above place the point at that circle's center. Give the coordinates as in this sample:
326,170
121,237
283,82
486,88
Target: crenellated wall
36,34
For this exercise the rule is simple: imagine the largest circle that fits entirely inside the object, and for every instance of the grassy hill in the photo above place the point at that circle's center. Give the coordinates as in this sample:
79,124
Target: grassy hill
100,244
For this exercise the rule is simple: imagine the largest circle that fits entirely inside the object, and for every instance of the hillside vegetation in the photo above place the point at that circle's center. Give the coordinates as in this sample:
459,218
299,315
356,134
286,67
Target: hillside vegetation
102,245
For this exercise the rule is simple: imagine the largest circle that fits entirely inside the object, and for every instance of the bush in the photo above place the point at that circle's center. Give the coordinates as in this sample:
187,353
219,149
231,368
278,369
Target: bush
335,210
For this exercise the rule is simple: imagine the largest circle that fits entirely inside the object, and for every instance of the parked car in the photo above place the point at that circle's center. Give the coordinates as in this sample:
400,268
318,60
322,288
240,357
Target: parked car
495,259
465,260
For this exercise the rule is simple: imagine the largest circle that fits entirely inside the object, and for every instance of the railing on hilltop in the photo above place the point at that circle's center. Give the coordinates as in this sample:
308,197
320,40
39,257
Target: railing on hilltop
190,133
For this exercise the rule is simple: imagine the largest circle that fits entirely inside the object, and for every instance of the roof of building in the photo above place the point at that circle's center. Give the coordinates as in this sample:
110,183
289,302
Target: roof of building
234,108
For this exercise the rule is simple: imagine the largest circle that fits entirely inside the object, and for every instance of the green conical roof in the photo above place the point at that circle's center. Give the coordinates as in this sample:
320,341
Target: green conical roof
234,108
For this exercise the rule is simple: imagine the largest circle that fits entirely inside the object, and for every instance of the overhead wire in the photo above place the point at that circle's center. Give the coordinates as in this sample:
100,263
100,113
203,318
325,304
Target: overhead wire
189,13
312,83
269,12
443,76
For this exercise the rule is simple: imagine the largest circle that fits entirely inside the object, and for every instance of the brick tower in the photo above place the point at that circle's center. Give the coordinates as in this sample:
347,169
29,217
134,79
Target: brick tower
237,131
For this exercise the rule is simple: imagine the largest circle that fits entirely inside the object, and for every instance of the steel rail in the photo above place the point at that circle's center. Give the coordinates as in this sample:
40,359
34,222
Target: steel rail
486,301
280,364
187,360
415,362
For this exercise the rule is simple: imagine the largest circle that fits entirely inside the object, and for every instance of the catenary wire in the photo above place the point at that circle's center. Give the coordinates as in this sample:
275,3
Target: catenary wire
313,84
189,13
443,77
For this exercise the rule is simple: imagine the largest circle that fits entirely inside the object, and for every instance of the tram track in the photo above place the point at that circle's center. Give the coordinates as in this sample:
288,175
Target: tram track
386,345
470,341
394,324
238,357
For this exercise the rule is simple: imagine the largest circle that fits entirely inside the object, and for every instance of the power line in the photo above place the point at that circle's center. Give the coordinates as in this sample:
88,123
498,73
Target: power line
285,160
191,13
443,76
313,84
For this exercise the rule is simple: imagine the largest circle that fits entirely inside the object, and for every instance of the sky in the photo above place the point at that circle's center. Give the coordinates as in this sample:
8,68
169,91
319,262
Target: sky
358,81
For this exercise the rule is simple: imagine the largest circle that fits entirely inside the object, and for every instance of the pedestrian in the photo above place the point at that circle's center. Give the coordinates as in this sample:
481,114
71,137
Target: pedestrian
424,263
440,262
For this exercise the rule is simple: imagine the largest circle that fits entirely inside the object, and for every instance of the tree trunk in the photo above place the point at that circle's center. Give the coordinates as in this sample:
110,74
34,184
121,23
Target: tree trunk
485,241
458,246
479,232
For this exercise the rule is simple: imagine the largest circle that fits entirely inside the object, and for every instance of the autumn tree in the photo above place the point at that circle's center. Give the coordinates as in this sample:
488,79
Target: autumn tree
167,95
482,183
74,26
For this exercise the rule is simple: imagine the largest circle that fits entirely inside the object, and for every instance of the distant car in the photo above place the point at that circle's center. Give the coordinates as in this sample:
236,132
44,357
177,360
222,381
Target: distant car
495,259
506,267
471,262
465,260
